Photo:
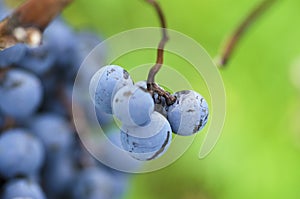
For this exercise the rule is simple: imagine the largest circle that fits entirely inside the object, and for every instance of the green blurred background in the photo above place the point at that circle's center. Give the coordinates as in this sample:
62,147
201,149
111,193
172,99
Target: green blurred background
257,155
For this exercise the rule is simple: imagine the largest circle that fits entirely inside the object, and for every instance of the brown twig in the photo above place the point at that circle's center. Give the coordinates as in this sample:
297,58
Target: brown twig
151,85
233,40
160,50
27,22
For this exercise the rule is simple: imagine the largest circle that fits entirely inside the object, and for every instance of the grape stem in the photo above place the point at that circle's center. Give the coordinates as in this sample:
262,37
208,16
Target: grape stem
236,36
27,22
152,87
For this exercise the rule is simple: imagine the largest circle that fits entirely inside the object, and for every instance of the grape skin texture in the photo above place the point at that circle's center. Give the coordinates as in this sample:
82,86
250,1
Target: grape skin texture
21,93
189,113
147,148
23,189
105,83
20,153
133,106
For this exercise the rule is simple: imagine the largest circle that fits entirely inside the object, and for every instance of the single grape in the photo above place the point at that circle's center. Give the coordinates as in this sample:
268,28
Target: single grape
21,93
105,83
22,189
133,106
93,183
20,153
189,113
54,131
148,142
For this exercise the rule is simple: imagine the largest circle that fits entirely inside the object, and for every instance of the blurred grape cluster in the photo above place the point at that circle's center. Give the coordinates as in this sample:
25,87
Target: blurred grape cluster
41,155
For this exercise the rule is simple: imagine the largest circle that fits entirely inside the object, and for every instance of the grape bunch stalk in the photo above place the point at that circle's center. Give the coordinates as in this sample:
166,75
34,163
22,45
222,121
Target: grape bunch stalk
148,113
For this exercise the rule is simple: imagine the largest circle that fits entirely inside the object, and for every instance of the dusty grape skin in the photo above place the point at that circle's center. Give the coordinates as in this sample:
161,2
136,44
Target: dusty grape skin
105,83
189,114
133,106
21,93
20,153
151,147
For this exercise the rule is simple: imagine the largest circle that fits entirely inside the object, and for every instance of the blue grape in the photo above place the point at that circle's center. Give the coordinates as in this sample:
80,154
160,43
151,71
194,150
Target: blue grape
20,153
58,176
21,93
189,114
54,132
12,56
38,60
148,142
22,188
113,153
133,106
93,183
62,41
105,83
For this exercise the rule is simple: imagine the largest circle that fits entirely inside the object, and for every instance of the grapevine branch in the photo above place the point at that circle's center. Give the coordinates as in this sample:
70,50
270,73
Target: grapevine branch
151,85
27,22
234,39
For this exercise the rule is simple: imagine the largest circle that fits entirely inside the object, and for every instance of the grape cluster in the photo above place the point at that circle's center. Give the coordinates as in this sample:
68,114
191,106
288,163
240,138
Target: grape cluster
147,118
41,156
